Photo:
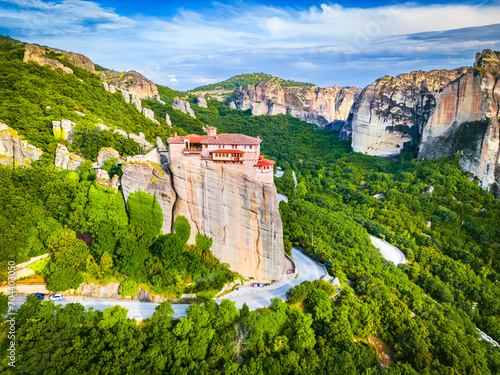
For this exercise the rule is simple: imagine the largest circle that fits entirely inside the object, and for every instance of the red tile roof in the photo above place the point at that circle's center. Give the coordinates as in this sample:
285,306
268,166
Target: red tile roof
264,162
231,139
194,138
228,151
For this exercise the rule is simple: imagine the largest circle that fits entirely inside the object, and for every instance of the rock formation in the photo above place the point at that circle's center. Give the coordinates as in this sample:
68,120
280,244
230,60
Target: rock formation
150,115
240,214
132,82
76,59
320,106
201,102
167,119
150,177
66,159
33,52
63,129
437,113
141,140
102,178
388,115
106,153
14,151
183,106
466,120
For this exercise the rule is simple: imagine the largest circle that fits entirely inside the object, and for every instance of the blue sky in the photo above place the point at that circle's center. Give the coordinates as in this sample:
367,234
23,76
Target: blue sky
187,44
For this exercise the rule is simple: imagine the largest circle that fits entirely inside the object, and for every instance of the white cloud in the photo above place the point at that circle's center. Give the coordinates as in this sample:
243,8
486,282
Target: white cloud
195,48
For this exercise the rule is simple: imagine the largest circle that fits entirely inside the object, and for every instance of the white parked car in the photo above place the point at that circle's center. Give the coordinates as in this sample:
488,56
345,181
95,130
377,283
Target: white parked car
56,297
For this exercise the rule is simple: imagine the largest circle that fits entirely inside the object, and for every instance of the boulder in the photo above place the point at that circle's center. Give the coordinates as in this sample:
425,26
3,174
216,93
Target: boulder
63,129
320,106
102,178
183,106
121,132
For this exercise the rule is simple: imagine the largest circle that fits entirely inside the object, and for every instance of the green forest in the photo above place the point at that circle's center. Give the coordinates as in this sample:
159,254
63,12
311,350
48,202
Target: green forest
249,79
420,317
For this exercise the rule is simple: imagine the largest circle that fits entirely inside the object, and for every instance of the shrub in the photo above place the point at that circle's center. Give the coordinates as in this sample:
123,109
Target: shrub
128,288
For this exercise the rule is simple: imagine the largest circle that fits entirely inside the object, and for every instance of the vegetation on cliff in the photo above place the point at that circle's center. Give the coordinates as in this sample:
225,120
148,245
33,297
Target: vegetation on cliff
249,79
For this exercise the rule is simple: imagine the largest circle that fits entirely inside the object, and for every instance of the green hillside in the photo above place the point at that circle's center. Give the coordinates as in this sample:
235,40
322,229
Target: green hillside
249,79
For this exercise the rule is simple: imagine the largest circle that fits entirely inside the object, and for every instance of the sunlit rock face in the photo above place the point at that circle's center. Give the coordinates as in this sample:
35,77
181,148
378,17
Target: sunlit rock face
388,116
319,106
465,120
240,213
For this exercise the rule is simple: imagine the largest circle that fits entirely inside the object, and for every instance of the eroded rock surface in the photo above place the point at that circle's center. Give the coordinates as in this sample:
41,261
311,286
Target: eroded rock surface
66,159
14,151
183,106
132,82
320,106
388,116
466,120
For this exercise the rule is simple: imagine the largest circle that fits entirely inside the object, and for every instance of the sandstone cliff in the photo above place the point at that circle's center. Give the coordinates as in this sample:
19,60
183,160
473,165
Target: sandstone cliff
466,120
388,116
76,59
239,213
312,104
14,151
130,82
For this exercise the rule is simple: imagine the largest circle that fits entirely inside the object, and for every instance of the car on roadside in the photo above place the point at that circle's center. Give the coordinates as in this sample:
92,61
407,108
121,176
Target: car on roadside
56,297
38,295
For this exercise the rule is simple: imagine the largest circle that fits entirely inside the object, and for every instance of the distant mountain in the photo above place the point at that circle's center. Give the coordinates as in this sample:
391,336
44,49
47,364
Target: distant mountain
249,79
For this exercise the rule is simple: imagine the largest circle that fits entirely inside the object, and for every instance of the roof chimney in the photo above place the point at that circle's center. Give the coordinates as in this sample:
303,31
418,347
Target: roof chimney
211,131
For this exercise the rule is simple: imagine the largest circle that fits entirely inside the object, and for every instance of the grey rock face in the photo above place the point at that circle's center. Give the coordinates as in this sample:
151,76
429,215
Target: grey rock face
201,102
66,159
14,151
151,180
183,106
312,104
167,118
150,115
121,132
106,153
63,129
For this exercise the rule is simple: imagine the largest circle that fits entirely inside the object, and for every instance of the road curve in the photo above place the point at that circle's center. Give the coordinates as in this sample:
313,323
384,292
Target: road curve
253,297
388,251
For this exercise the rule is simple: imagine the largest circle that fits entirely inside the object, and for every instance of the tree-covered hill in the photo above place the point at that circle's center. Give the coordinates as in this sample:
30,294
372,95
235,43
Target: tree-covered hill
249,79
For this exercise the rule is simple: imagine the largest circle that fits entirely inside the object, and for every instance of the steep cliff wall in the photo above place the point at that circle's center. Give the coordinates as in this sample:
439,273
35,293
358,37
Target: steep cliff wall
36,53
466,120
388,116
152,179
239,213
311,104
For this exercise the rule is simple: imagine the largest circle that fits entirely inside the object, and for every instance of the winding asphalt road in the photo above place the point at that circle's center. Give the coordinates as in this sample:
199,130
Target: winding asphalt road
253,297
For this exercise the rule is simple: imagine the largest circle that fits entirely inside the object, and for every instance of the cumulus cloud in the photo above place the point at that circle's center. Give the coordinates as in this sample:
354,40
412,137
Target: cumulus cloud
324,44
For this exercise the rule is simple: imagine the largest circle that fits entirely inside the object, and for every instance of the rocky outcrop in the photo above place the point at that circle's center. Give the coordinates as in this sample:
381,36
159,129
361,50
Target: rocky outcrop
167,119
63,129
150,115
14,151
320,106
132,82
76,59
141,141
388,116
150,177
66,159
183,106
240,214
32,52
102,178
465,120
201,102
106,153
